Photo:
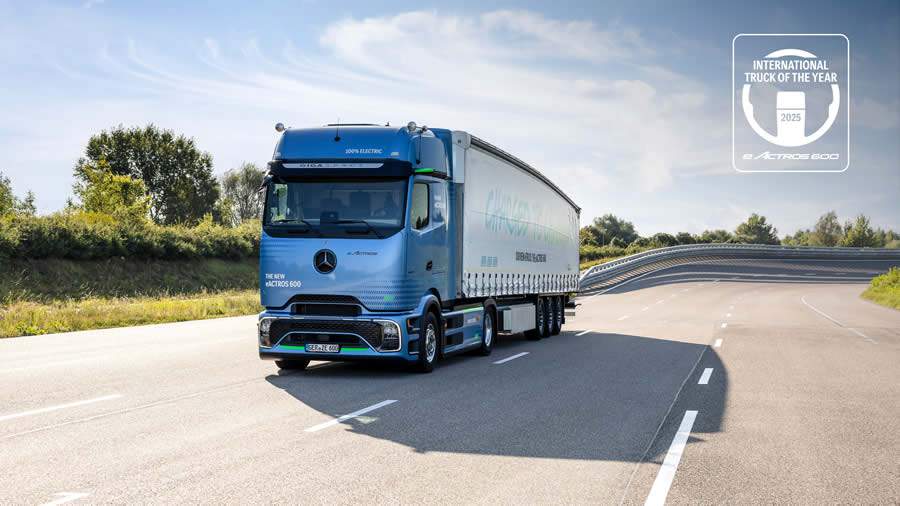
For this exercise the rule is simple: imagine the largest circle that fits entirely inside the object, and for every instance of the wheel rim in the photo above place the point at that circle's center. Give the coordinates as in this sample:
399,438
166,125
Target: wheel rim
430,343
488,330
541,317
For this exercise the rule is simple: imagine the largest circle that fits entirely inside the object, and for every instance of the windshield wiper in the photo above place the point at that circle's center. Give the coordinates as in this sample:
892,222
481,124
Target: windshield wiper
363,222
296,220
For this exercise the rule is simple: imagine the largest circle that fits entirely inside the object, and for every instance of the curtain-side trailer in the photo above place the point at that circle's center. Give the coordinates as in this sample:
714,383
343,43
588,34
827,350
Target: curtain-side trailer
408,244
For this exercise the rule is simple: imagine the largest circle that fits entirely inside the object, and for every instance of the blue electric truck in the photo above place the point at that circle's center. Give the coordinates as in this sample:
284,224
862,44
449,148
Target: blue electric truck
408,244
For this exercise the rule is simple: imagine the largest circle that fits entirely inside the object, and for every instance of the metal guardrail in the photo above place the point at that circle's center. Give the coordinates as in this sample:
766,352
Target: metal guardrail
618,270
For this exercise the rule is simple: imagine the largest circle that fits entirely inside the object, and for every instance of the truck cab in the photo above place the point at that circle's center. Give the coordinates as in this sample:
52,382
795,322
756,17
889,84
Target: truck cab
359,253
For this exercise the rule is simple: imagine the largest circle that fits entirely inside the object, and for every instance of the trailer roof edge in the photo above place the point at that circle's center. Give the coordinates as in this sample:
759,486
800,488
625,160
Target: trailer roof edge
494,150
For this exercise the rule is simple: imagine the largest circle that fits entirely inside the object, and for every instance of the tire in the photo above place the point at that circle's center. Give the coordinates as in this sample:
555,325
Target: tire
292,364
488,332
429,343
540,321
545,309
556,308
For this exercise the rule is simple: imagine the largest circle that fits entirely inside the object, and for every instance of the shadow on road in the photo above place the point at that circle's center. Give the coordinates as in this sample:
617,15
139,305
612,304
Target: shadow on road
595,397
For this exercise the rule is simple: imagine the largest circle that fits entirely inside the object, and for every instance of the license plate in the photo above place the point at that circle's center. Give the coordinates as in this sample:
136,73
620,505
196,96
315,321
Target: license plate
323,348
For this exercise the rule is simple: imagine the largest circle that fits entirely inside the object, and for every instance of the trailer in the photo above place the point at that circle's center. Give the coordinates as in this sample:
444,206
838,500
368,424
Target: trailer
408,244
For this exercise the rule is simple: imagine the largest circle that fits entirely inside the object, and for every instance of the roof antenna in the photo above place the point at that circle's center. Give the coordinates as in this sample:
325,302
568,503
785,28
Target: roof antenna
337,131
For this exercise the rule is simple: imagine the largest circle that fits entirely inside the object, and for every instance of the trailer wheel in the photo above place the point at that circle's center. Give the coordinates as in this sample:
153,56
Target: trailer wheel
292,365
548,316
488,332
556,320
540,320
429,341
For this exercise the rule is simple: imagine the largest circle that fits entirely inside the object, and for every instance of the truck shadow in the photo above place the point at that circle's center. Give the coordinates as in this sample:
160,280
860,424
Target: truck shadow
595,397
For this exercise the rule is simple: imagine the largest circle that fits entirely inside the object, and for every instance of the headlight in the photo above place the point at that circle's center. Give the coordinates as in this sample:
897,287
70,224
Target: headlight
390,336
264,326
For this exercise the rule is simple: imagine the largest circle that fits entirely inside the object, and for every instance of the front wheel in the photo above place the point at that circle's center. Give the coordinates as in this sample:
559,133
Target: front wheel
429,337
488,333
292,364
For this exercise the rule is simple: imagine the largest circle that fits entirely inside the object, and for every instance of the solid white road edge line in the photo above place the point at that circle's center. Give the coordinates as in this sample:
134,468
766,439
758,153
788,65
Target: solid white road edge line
58,407
704,378
583,332
348,416
507,359
839,324
718,343
666,473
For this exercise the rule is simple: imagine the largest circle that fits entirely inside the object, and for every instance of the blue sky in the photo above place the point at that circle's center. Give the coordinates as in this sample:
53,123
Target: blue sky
625,105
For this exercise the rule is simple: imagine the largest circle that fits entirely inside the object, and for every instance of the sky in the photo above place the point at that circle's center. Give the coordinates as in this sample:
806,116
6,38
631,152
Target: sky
626,105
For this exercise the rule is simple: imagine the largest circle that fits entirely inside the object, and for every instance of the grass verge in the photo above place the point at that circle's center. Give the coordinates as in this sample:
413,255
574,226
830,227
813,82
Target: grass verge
885,289
57,295
31,318
590,263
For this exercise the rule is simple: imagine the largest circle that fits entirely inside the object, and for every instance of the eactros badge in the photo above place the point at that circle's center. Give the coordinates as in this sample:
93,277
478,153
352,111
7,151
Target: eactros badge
790,103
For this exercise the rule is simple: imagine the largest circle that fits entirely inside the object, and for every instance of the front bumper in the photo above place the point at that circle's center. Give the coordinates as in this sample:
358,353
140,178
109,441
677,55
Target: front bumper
359,338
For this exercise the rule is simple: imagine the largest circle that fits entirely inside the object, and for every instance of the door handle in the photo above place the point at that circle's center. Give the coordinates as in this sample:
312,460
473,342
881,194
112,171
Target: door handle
429,265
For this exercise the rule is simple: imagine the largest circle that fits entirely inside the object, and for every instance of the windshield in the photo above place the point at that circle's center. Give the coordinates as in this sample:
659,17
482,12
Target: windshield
337,208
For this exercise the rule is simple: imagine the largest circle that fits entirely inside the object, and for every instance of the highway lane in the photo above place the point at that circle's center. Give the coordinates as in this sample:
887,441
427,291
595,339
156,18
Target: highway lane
798,407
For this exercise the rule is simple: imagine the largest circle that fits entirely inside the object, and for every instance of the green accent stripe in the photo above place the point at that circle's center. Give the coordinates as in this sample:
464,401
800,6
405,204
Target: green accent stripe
424,171
303,348
472,310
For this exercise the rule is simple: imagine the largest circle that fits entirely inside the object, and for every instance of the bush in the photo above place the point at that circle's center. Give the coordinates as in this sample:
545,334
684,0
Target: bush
885,289
94,236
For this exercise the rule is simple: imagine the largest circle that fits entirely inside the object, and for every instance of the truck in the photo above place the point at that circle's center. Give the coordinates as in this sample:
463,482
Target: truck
407,244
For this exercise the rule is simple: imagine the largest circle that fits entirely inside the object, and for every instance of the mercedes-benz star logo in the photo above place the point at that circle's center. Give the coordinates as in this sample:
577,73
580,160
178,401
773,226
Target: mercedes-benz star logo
325,261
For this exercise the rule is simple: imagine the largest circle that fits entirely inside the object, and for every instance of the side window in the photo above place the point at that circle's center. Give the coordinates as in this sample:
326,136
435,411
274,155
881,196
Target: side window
438,202
419,209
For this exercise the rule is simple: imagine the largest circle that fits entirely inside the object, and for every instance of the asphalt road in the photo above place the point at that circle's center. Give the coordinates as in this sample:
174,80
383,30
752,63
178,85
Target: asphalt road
739,382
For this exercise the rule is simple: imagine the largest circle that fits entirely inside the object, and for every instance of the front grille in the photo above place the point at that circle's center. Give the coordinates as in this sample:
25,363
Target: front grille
370,331
303,339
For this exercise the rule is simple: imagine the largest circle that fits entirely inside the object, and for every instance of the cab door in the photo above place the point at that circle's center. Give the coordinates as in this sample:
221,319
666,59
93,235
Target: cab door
427,252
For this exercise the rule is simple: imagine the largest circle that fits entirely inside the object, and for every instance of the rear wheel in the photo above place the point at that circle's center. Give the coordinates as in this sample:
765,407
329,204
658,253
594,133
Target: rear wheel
292,364
557,309
488,333
429,337
540,321
548,315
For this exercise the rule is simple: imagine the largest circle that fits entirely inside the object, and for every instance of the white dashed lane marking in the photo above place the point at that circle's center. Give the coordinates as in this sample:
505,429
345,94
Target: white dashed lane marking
666,473
507,359
348,416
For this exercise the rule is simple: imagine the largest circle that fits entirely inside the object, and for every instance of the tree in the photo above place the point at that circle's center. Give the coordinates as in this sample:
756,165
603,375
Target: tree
685,238
756,231
663,240
827,231
240,193
715,236
102,191
800,238
7,197
607,227
859,234
177,175
586,237
10,204
27,206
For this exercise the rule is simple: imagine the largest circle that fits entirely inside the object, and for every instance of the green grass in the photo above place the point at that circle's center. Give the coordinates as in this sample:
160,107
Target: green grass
31,318
885,289
55,295
591,263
